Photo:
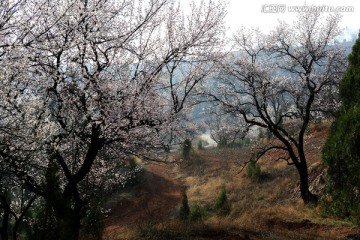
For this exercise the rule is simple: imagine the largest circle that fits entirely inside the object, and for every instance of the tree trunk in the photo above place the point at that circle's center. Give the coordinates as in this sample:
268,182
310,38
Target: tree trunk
21,217
77,220
5,218
73,227
306,195
5,225
69,225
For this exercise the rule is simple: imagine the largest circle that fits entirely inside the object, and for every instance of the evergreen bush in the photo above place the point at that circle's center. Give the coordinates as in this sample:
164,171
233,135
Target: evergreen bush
341,152
197,212
186,149
184,209
222,205
253,171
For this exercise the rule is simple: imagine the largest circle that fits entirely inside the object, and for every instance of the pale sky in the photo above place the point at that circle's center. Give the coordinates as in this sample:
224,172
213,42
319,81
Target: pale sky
255,13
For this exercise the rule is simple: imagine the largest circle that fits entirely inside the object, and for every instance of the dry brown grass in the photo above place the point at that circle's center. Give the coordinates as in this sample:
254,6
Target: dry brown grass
260,206
269,209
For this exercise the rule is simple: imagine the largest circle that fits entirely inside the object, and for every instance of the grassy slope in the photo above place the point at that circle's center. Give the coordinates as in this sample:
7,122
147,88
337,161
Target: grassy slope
269,209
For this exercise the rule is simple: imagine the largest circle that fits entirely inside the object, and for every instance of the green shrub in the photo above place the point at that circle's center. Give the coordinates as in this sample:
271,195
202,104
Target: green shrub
197,212
253,170
341,152
222,205
186,149
339,203
223,143
245,142
184,209
200,145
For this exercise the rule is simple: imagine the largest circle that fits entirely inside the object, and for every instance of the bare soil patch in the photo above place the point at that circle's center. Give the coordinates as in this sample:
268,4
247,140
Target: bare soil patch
157,194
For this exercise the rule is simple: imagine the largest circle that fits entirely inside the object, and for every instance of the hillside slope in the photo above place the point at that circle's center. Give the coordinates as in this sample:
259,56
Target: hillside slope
270,208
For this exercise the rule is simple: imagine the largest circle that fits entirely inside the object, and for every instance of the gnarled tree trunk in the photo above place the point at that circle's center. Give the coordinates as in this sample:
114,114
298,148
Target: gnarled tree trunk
306,195
5,218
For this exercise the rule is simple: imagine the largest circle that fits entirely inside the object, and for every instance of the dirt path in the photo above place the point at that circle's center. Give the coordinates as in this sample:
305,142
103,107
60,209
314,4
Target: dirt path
157,194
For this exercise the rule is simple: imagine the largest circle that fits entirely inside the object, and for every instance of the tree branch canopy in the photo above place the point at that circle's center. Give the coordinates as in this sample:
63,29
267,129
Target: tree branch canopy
85,83
283,79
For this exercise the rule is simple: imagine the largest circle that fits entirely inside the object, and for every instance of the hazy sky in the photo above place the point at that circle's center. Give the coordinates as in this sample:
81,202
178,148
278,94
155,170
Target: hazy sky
255,13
